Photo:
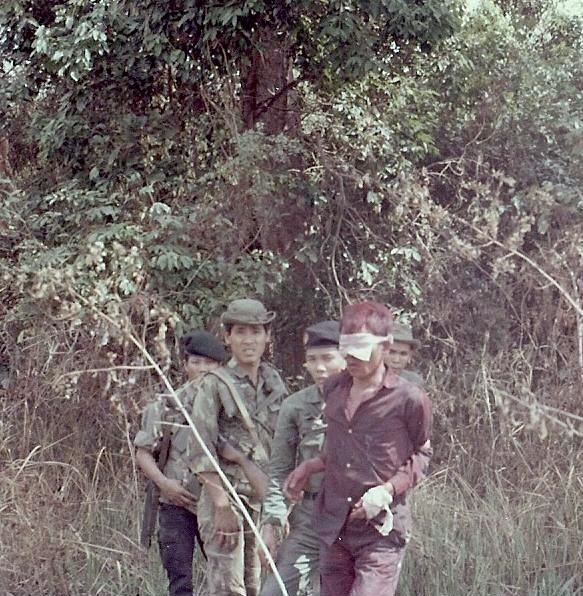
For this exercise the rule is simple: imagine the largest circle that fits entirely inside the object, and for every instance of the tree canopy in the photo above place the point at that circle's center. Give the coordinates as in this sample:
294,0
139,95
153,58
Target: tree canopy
158,159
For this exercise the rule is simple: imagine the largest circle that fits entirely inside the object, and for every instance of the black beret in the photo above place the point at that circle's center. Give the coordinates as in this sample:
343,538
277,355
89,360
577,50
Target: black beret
326,333
203,343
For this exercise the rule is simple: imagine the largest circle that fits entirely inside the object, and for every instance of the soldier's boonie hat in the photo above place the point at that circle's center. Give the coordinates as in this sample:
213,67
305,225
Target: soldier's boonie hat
325,333
247,311
404,334
203,343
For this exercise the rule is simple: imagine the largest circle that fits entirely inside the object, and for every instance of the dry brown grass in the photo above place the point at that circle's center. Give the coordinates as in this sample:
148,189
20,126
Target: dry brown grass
502,513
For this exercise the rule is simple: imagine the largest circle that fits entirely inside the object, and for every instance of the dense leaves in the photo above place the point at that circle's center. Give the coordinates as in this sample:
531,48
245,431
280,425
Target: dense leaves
161,158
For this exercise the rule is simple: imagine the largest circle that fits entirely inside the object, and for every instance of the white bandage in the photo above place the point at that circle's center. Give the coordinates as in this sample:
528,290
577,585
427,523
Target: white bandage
360,345
375,500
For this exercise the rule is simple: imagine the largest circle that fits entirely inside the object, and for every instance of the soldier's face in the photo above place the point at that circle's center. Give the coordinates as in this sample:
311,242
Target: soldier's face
247,343
196,366
397,356
323,362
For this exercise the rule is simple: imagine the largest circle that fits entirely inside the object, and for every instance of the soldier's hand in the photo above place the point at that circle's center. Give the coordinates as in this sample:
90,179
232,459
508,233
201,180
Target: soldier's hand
293,485
271,535
230,453
176,493
226,528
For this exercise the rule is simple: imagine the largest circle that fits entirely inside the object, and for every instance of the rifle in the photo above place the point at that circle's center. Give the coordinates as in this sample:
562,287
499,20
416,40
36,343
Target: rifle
259,449
152,499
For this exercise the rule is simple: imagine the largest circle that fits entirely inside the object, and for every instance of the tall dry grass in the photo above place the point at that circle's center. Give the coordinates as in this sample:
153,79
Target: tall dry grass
498,541
501,514
68,533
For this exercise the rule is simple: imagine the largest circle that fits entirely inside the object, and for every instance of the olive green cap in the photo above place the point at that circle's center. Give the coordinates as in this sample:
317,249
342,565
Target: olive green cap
247,311
404,334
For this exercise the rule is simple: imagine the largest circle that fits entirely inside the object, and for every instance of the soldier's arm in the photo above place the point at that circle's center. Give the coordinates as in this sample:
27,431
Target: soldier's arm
419,421
150,435
146,440
206,409
255,475
282,462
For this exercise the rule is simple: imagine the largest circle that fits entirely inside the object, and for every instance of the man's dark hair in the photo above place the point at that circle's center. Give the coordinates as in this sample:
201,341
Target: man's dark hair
373,316
228,327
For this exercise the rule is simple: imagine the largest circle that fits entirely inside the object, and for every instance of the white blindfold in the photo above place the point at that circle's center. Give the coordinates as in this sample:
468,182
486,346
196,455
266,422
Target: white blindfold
360,345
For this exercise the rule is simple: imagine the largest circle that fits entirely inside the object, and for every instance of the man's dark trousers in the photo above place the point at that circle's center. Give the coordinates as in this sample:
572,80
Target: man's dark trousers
177,539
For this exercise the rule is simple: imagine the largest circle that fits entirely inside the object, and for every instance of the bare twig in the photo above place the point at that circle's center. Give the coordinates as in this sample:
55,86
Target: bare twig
552,281
575,283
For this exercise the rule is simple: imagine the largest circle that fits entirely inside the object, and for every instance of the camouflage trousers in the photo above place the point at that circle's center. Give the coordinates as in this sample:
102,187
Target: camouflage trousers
297,556
229,573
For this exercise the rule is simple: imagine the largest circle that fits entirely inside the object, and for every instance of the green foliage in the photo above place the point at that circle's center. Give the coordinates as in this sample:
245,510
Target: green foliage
158,159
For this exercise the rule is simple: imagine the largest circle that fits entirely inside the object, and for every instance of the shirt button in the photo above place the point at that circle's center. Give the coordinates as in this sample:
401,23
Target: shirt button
349,431
349,500
348,465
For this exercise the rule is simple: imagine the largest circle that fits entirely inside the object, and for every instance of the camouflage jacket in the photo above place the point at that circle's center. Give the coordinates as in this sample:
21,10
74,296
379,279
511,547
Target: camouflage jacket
215,413
156,415
299,435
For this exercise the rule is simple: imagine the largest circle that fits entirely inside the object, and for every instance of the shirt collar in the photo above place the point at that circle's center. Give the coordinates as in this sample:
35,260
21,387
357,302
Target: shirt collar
262,376
392,380
315,394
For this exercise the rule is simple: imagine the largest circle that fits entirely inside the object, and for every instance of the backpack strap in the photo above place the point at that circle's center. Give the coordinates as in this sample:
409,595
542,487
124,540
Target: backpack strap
247,421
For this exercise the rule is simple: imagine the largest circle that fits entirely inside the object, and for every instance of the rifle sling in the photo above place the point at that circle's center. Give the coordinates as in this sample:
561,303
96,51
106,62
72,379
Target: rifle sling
260,450
164,446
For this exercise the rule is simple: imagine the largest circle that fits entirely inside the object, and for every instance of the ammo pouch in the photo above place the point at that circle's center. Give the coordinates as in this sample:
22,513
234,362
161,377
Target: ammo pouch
192,485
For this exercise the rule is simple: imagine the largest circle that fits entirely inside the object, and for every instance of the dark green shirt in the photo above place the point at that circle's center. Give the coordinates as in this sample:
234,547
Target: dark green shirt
299,435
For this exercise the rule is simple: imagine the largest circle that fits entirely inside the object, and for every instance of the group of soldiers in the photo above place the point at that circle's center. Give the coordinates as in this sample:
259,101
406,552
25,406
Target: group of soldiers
324,472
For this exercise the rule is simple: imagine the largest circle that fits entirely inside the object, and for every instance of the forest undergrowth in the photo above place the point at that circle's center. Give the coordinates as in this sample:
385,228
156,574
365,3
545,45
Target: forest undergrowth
498,515
429,159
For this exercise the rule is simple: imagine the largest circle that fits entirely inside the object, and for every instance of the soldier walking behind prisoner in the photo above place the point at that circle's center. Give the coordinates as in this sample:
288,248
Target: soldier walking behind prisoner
299,435
239,402
378,426
399,353
163,430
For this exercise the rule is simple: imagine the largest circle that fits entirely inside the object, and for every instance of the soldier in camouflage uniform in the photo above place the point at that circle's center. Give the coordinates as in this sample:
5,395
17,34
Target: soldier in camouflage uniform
178,527
400,353
232,559
299,435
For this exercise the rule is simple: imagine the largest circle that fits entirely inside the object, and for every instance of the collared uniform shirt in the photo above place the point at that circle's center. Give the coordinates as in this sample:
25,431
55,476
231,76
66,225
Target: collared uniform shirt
215,413
299,435
156,415
413,376
383,441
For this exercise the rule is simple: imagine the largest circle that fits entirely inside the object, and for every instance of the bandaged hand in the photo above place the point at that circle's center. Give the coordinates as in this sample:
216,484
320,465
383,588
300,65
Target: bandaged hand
375,500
